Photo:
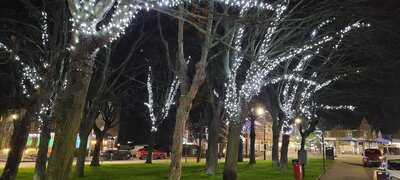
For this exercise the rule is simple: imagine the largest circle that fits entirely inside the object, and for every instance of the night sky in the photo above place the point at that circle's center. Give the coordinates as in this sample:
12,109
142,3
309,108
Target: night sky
376,52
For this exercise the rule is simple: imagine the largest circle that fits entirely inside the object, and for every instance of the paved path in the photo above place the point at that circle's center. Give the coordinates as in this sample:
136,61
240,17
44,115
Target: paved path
348,167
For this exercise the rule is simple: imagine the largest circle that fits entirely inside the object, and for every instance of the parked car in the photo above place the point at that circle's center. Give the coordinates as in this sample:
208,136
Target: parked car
117,155
372,157
136,148
390,168
157,154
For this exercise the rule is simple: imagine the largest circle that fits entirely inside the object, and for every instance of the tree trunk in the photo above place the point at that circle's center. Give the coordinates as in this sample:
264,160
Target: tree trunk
303,142
240,153
302,148
212,150
275,143
82,153
41,160
150,149
276,127
69,109
149,158
230,168
84,133
185,104
2,130
276,132
198,159
18,141
188,91
97,148
246,147
284,151
252,142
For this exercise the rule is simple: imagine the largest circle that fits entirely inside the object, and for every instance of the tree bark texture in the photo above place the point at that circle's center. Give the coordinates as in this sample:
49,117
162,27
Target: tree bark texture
276,127
41,160
69,109
2,130
230,168
252,142
150,149
18,140
82,153
185,104
212,151
303,142
284,151
149,158
84,132
97,148
199,152
188,91
240,154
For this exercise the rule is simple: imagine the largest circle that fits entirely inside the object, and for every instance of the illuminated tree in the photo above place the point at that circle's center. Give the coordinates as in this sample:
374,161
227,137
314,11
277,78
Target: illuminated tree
158,106
262,68
39,79
89,33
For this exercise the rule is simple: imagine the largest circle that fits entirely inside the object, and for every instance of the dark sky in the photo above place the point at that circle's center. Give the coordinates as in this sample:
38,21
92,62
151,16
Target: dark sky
377,49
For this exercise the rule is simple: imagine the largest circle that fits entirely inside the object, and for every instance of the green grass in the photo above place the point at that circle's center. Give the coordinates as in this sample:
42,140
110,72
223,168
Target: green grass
192,171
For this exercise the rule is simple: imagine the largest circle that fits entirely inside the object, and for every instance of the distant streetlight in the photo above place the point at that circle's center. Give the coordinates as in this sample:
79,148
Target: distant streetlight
14,117
298,121
93,142
260,111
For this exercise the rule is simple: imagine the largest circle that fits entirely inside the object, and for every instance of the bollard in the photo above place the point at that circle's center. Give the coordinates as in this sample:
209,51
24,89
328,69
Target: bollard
297,172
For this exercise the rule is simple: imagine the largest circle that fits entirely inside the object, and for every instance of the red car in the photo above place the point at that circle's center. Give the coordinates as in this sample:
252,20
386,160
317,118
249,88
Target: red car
372,157
157,154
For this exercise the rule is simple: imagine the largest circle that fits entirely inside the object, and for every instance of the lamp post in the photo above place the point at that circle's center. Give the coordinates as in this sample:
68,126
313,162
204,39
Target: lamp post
323,151
302,153
259,113
298,121
265,144
256,112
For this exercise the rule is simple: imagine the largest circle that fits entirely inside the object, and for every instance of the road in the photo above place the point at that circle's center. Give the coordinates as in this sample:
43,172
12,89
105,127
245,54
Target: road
349,167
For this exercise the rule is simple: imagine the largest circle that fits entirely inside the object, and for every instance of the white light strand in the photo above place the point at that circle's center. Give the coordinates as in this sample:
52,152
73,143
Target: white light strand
260,70
173,89
232,99
233,95
87,15
169,101
340,107
45,38
30,76
150,102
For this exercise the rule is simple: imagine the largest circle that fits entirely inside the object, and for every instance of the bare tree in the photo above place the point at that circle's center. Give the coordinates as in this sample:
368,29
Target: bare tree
107,79
109,114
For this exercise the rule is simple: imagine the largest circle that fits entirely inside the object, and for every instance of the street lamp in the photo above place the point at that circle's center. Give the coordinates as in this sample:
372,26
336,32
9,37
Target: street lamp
298,121
260,111
14,116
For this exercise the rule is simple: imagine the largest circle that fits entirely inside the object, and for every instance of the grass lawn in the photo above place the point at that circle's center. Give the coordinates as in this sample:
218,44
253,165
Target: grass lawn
262,170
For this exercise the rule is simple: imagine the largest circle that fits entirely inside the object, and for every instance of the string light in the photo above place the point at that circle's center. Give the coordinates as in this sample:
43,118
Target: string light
169,101
259,73
30,76
341,107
